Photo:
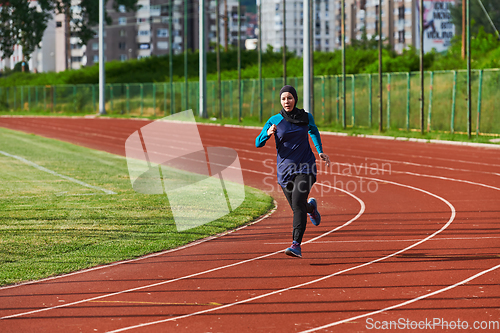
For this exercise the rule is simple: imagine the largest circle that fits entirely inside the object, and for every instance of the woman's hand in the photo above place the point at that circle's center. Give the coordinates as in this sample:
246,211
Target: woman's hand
271,130
324,157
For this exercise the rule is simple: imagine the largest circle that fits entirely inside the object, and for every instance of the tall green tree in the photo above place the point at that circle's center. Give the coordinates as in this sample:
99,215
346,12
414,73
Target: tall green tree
23,22
478,17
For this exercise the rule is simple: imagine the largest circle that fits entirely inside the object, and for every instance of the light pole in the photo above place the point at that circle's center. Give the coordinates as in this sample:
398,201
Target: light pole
102,74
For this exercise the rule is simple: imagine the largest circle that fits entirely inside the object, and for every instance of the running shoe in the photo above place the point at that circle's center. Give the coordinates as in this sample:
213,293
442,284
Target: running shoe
294,250
314,216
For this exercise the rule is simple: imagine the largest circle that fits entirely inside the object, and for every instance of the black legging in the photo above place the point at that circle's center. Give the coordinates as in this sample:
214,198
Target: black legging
296,192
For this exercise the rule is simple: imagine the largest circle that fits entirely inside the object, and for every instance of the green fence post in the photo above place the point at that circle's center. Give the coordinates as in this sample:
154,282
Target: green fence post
370,107
273,95
454,103
353,93
54,99
15,97
142,98
222,100
231,99
479,97
172,102
127,93
111,97
429,116
213,98
29,98
323,97
164,99
93,98
408,99
45,97
22,97
74,98
338,98
154,99
241,100
254,83
389,100
36,96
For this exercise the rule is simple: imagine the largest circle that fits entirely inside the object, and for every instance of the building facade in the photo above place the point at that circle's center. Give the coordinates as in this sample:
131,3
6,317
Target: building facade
399,23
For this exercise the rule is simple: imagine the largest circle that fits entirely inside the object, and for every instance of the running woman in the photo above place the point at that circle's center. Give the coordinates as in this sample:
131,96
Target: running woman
295,160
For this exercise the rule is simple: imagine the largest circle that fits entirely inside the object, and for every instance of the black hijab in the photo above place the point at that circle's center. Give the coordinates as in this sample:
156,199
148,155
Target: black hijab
296,116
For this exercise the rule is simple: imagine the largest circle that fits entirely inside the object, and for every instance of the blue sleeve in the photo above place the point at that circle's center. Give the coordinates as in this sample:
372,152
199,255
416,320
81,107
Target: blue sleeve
260,141
314,133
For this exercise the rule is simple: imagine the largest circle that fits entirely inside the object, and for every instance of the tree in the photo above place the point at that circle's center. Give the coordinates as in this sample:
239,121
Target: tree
478,17
23,22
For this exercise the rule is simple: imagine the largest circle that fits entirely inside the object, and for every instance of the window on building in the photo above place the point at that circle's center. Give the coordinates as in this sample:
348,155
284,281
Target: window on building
401,12
96,58
122,20
122,45
401,36
123,57
121,9
162,33
58,24
143,33
95,46
123,33
162,45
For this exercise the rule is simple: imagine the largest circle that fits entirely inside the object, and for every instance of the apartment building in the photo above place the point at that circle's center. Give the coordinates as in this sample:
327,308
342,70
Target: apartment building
399,23
146,32
323,34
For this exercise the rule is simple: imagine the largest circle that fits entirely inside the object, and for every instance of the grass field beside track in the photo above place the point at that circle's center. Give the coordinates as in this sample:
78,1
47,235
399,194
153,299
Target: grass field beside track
51,225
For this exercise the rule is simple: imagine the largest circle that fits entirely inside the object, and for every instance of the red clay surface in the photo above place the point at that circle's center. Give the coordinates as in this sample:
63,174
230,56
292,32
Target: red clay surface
418,245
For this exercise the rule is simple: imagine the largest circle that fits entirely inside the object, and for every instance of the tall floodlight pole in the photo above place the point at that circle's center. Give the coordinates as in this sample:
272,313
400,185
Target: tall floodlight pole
240,96
306,55
186,53
171,54
469,89
203,62
343,63
284,43
217,32
102,74
464,30
422,92
261,88
381,91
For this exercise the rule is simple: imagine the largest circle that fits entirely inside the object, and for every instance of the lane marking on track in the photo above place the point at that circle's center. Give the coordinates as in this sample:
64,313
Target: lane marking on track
156,303
186,276
391,240
404,303
41,168
451,219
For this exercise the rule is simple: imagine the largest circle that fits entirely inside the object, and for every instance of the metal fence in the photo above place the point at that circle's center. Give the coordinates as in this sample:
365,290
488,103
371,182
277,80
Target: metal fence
445,99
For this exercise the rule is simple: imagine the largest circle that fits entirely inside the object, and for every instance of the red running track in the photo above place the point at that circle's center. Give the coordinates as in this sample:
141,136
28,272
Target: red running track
418,244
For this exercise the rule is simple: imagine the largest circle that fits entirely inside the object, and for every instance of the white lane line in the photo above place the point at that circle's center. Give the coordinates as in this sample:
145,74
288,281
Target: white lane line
186,276
452,217
404,303
41,168
390,240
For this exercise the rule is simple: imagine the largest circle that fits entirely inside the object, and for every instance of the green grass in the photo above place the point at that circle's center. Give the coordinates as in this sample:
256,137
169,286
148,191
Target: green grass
50,225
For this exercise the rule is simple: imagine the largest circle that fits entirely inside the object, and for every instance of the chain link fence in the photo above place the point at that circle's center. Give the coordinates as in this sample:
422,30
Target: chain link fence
445,99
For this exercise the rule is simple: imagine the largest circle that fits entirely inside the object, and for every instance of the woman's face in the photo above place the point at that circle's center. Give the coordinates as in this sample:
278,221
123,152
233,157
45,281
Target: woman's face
287,101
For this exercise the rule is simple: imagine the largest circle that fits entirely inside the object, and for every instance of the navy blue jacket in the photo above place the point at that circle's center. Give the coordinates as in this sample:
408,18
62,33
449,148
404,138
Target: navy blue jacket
294,154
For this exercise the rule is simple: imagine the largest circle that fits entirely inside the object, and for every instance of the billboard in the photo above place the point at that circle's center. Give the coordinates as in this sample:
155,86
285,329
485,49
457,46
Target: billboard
438,26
